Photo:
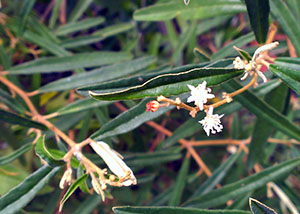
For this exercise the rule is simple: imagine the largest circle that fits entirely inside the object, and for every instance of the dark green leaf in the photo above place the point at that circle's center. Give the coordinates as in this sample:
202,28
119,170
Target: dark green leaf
288,62
253,182
129,120
228,50
172,210
99,75
82,105
262,129
44,154
22,194
167,84
79,9
11,102
259,208
217,176
97,36
13,156
180,183
22,121
66,63
79,26
26,8
289,76
287,22
201,55
258,11
262,110
72,189
196,10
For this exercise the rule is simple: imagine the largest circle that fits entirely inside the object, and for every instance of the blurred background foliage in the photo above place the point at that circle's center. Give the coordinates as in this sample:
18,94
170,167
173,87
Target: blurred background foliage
51,48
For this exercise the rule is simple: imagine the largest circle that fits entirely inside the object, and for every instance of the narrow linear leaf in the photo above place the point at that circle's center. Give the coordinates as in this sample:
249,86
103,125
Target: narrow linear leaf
258,11
128,120
287,22
99,75
18,120
288,62
79,26
66,63
251,183
228,50
72,189
217,176
180,182
11,102
44,154
262,110
97,36
26,8
259,208
171,210
169,84
262,129
81,105
22,194
80,8
196,10
289,76
17,153
45,43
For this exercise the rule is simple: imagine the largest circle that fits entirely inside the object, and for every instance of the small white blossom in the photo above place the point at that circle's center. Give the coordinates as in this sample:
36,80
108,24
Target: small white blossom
239,63
186,2
114,162
66,178
200,94
212,123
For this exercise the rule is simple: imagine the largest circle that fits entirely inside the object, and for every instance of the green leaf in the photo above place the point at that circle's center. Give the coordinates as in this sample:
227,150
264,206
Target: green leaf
141,160
128,120
97,36
262,110
180,183
262,129
66,63
45,43
26,8
55,13
217,176
228,50
79,26
287,22
288,62
22,194
89,204
17,153
72,189
83,186
82,105
11,102
289,76
196,10
22,121
201,55
79,9
99,75
259,208
253,182
44,154
171,210
166,84
258,11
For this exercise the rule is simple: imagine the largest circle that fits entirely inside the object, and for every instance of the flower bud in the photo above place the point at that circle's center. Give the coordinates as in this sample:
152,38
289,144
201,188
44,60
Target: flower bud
152,106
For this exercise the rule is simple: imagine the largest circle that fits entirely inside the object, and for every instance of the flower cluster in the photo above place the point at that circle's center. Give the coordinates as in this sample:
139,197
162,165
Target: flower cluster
100,178
200,95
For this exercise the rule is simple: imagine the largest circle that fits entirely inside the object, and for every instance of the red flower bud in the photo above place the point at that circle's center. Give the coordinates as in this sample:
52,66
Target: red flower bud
152,106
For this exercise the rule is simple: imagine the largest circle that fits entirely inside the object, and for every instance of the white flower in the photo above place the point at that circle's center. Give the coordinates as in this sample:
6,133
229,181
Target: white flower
211,123
114,162
239,63
200,94
66,178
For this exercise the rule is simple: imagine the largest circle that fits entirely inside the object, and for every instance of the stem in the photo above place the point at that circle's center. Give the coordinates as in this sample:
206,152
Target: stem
35,113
